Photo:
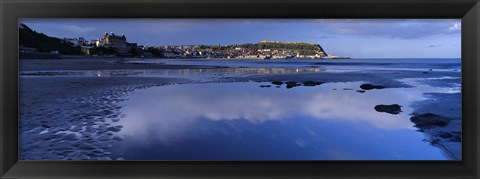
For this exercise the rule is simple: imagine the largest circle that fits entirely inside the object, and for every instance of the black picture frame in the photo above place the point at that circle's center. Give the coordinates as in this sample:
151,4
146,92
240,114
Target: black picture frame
467,10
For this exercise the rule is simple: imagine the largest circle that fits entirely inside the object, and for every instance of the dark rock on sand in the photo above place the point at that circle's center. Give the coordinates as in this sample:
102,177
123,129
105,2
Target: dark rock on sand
292,84
453,136
391,109
429,120
265,86
445,135
361,91
456,138
311,83
370,86
277,82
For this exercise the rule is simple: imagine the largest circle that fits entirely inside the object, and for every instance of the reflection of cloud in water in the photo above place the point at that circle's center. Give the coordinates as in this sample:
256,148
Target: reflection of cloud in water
170,112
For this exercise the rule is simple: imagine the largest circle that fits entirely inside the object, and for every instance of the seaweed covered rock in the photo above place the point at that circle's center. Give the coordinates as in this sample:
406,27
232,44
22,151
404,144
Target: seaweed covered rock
277,82
367,86
292,84
311,83
391,109
429,120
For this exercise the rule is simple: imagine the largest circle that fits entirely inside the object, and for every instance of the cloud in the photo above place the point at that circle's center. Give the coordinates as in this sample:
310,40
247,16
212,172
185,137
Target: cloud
391,28
455,27
301,143
75,29
321,36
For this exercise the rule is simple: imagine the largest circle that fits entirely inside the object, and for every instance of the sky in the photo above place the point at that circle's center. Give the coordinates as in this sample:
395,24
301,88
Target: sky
357,38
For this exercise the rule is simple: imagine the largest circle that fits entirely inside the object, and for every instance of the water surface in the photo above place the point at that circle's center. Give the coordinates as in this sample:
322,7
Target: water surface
242,121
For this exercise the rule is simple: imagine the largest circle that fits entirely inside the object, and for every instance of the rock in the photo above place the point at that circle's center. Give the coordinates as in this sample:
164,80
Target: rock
277,82
265,86
445,135
291,84
391,109
429,120
311,83
361,91
456,139
370,86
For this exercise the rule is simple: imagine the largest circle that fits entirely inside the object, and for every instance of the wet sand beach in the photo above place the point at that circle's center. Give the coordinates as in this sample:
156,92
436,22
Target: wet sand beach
74,109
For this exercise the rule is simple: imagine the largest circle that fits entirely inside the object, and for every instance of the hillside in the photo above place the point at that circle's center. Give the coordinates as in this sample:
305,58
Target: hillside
302,47
44,43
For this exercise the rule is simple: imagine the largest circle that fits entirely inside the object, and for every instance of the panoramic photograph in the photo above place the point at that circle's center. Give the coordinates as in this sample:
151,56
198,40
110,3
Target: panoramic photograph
240,89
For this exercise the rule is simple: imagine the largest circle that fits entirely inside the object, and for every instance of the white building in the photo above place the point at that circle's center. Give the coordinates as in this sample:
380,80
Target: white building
76,41
99,42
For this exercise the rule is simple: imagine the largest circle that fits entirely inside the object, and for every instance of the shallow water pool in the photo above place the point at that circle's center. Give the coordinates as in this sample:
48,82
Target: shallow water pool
243,121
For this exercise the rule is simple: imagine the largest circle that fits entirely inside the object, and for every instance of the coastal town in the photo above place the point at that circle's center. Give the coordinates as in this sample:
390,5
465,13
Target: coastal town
113,45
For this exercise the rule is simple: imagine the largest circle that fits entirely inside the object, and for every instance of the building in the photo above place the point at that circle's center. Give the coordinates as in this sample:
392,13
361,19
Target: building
75,41
117,42
86,50
114,40
99,42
